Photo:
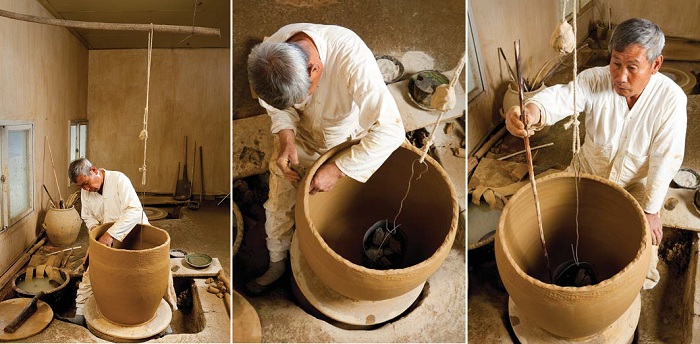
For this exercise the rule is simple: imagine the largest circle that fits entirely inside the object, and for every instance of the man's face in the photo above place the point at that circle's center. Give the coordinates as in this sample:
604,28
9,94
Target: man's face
92,182
631,70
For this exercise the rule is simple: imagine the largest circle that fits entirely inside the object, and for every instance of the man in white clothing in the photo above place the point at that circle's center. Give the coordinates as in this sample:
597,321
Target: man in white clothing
635,120
106,196
321,86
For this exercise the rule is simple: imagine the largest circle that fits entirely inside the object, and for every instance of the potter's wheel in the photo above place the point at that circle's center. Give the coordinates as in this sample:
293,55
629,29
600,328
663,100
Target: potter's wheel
37,322
339,307
154,214
621,331
105,329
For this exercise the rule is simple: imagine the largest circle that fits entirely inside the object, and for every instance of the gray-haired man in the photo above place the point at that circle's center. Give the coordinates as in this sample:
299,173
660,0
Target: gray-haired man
635,120
321,86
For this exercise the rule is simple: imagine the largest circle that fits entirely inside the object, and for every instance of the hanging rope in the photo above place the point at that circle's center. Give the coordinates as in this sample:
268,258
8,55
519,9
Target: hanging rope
144,132
576,142
458,71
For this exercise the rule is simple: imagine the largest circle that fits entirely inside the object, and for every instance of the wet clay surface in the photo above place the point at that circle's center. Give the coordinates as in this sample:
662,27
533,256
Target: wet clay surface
340,218
612,237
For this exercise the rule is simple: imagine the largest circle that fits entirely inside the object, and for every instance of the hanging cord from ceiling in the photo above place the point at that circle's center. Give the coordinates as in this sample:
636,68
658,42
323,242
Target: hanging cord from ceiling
143,135
194,15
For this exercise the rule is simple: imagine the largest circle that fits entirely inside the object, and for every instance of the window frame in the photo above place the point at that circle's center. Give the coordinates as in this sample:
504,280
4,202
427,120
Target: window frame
474,61
6,127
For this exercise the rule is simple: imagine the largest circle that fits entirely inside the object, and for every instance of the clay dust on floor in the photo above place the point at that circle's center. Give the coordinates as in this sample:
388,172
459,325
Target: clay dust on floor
662,320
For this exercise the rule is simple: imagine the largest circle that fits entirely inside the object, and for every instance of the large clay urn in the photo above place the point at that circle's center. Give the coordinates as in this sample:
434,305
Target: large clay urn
331,225
130,278
613,236
62,225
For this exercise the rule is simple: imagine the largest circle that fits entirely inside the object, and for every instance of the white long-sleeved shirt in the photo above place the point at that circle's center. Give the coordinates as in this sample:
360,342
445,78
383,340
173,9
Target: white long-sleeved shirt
118,203
644,144
350,101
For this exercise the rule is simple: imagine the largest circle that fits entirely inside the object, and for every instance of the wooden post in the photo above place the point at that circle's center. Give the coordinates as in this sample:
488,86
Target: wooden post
185,30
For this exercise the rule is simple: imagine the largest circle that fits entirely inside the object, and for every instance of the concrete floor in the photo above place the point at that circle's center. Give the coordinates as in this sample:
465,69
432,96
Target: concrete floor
389,27
206,230
667,310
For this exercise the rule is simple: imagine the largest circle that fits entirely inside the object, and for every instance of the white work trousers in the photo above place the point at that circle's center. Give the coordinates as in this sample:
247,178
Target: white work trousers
85,292
279,208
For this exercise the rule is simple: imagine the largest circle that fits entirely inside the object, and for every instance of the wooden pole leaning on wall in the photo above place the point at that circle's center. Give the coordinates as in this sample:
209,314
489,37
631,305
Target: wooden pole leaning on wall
187,30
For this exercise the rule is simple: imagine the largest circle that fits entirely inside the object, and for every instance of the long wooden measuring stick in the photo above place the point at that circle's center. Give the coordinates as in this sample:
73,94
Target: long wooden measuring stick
528,153
58,187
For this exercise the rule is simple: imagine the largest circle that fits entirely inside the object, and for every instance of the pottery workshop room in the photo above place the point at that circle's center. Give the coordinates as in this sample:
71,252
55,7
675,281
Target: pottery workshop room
583,201
349,221
114,129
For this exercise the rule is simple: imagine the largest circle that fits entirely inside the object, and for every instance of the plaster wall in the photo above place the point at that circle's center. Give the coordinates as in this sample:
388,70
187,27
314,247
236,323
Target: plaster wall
43,81
189,96
676,18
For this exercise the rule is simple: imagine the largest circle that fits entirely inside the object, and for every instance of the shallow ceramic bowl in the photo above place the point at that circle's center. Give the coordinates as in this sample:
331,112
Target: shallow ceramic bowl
422,85
686,178
198,260
177,253
396,62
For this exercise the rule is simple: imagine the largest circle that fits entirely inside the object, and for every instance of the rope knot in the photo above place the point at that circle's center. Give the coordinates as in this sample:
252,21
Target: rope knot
143,135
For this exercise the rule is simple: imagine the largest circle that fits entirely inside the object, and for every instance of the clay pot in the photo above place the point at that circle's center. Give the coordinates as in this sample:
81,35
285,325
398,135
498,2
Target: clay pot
59,298
129,279
510,99
62,225
331,225
613,236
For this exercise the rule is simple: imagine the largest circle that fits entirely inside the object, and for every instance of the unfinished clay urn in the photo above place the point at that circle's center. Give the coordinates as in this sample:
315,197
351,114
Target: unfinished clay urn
62,225
130,278
613,236
331,225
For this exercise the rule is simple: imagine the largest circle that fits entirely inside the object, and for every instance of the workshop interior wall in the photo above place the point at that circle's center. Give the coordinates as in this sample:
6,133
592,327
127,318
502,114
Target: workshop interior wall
676,18
43,80
499,23
189,96
390,27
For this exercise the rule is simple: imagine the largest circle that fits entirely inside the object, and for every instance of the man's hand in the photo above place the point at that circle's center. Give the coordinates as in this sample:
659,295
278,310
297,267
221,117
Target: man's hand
656,228
515,126
288,155
325,178
106,239
443,99
91,229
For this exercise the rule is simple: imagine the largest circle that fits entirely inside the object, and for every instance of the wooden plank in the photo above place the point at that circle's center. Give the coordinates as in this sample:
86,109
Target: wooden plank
683,215
182,269
415,117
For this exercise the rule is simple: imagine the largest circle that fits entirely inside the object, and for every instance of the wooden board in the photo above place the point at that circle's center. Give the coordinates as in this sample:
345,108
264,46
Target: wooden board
185,270
246,323
37,322
415,117
684,215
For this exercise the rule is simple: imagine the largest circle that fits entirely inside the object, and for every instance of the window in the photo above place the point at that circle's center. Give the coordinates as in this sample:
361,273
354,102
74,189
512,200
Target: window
78,140
475,79
17,162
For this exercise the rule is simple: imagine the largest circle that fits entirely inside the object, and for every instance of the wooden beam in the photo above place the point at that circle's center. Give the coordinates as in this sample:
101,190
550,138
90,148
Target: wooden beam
186,30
